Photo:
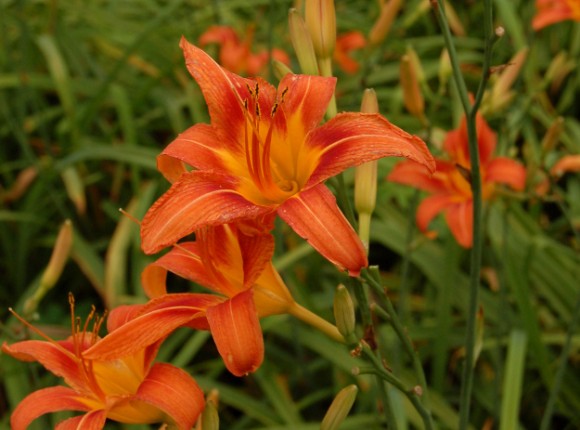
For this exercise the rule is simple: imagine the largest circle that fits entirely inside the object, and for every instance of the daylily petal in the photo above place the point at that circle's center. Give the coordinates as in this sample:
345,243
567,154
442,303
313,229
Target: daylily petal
430,207
486,139
120,315
173,391
350,139
197,198
171,168
460,220
236,331
52,356
44,401
257,250
93,420
271,295
506,171
152,326
315,216
198,146
305,101
225,93
568,163
414,174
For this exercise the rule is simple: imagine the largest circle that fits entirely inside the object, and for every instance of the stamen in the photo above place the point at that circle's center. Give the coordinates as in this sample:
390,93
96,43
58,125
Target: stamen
128,215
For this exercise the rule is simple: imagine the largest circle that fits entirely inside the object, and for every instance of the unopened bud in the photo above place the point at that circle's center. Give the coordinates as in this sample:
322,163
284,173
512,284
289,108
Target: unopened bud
445,69
559,68
54,268
552,136
501,93
365,178
321,22
210,419
75,188
344,312
453,20
280,69
302,43
384,23
339,408
412,96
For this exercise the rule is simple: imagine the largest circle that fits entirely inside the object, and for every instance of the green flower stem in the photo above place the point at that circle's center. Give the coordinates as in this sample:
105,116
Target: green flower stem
413,394
475,263
315,321
372,277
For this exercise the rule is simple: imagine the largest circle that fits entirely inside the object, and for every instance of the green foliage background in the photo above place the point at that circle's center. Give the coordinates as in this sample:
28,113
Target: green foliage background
91,91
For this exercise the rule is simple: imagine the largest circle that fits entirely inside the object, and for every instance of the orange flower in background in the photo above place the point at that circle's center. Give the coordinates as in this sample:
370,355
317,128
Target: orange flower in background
128,389
236,55
263,153
553,11
345,44
233,261
449,186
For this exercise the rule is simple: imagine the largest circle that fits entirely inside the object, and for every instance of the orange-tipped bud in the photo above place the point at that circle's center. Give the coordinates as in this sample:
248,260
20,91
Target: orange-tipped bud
339,408
302,43
321,22
552,136
21,184
210,419
501,92
445,69
75,188
412,96
383,24
559,68
344,315
453,20
568,163
365,178
58,259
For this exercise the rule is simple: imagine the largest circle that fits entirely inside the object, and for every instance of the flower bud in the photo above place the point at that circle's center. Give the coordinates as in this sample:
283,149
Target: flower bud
552,135
412,96
210,419
365,178
559,68
75,188
54,268
302,43
445,69
568,163
321,22
339,408
383,24
280,69
344,312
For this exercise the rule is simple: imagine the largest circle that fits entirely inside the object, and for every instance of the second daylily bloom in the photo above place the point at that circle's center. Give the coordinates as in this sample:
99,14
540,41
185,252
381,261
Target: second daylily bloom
450,186
129,389
553,11
234,261
263,153
236,55
345,44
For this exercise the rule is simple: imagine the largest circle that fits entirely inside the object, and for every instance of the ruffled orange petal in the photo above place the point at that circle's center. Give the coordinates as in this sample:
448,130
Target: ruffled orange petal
430,207
53,356
236,331
198,146
163,316
315,216
350,139
93,420
197,199
173,391
460,220
224,94
506,171
44,401
414,174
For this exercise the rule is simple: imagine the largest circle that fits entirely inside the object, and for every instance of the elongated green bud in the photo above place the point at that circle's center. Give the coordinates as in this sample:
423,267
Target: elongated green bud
344,315
302,43
339,408
321,22
210,419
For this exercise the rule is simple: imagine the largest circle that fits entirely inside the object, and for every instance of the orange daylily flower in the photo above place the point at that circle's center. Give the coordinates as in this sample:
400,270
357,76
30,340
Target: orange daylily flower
553,11
449,186
234,261
263,153
236,55
128,389
346,43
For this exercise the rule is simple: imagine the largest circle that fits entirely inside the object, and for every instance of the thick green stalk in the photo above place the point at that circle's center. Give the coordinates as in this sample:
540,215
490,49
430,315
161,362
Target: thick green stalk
475,263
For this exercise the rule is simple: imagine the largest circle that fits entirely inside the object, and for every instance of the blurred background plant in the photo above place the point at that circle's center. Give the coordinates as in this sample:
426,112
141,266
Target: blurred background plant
90,92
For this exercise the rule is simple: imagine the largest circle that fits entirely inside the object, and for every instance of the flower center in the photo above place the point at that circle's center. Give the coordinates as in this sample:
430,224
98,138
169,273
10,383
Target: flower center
273,187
